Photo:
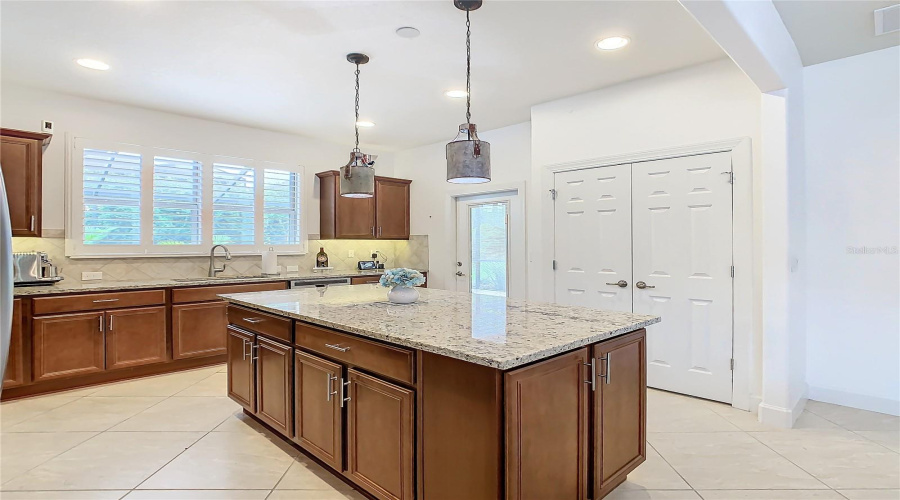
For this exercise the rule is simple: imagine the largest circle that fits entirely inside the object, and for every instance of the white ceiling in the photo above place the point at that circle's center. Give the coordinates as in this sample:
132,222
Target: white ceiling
280,65
828,30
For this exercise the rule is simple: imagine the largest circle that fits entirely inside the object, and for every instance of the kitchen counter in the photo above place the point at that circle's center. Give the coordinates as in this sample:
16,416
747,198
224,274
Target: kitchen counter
99,286
482,329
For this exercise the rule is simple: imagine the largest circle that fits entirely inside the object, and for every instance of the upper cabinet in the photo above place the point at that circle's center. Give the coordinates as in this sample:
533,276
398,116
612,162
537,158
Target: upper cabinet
384,216
20,158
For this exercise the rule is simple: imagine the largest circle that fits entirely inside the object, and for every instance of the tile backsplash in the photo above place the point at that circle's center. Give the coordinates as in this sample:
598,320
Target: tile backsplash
412,254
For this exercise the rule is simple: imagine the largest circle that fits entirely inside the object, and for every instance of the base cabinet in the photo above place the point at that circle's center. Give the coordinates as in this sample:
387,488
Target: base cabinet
380,436
241,375
318,414
135,337
15,368
68,344
198,329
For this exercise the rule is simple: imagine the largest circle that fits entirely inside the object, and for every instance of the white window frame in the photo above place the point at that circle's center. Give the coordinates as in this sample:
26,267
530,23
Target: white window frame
74,182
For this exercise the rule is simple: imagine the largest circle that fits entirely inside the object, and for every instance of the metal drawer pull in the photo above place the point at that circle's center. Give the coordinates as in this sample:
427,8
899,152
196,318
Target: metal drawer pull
105,300
337,347
110,322
593,380
101,324
329,391
32,223
252,357
244,349
344,397
607,375
253,320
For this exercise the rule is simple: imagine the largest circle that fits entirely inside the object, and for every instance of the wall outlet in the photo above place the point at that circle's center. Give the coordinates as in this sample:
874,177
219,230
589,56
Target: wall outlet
351,253
293,269
98,275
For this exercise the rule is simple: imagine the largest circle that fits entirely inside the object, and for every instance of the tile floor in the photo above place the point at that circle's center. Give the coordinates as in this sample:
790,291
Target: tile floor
178,437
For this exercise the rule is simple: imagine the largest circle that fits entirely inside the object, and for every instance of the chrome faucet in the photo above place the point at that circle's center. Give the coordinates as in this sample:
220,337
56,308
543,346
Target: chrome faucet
212,260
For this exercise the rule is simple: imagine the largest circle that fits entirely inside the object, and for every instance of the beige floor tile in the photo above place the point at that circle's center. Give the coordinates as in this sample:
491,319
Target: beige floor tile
240,422
181,414
64,495
223,368
214,385
226,460
161,385
770,495
854,419
888,439
305,474
841,459
871,494
747,421
667,412
623,494
729,460
654,474
15,412
111,460
197,495
315,495
86,414
21,452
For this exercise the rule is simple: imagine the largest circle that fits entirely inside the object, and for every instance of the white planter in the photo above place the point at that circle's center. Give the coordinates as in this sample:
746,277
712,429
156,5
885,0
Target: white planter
403,295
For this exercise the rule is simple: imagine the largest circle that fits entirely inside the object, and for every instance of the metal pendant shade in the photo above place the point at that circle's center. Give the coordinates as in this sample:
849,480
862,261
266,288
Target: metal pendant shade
358,175
468,158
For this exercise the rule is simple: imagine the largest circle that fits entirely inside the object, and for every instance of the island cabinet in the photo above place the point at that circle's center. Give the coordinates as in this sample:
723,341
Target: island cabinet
382,216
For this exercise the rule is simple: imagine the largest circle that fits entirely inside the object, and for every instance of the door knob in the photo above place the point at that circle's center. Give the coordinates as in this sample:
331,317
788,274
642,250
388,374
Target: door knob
459,273
620,283
642,285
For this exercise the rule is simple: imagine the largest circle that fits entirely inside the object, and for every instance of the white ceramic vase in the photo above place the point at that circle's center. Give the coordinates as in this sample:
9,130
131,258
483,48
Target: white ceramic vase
403,295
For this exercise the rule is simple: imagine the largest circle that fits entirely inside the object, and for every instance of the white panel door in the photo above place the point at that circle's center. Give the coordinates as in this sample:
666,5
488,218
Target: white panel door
682,251
593,238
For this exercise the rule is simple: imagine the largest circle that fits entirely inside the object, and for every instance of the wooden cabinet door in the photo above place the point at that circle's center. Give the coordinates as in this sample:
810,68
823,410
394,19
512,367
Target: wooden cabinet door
241,375
354,218
546,429
15,370
135,337
273,384
198,329
68,344
620,440
392,208
20,158
318,421
380,436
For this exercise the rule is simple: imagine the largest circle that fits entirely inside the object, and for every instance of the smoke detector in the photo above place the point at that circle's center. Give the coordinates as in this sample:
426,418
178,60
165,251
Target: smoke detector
887,20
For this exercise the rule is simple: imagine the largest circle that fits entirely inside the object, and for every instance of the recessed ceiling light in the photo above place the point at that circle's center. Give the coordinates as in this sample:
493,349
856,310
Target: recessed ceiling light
92,64
364,123
613,43
456,94
407,32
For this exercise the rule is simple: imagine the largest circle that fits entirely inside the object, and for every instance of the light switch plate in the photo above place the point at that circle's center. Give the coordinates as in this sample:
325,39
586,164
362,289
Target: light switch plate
293,269
91,276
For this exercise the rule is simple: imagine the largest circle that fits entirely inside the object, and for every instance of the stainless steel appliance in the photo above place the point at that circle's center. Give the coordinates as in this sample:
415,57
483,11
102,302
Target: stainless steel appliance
6,279
33,268
318,282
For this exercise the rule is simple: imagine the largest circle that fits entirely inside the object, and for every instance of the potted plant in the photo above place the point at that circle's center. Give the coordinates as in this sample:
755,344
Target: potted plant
402,281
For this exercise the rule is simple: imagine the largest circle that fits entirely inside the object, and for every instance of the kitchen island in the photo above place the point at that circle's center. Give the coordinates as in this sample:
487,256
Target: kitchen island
455,397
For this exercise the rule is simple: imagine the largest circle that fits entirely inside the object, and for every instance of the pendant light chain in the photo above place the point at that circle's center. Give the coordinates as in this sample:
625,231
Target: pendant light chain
356,123
468,68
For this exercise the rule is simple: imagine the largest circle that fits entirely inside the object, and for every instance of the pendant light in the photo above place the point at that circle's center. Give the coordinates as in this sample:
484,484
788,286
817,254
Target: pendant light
468,158
358,175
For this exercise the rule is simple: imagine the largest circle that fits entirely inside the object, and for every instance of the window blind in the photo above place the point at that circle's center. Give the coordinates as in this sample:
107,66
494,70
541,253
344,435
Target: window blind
281,201
233,204
111,185
177,201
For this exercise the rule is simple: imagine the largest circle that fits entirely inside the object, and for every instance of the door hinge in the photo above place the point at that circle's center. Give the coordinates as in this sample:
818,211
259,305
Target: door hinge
732,271
553,194
554,264
730,177
732,364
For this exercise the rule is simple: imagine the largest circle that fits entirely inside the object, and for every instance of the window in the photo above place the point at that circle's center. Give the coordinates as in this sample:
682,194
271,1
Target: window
129,200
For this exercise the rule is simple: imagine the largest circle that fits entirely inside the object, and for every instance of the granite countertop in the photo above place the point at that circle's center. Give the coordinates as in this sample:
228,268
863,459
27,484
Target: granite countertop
101,286
483,329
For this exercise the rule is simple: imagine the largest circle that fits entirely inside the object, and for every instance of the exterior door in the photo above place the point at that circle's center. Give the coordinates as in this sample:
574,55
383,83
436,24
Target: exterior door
593,238
68,344
380,436
546,429
241,380
273,384
317,408
135,337
682,271
620,439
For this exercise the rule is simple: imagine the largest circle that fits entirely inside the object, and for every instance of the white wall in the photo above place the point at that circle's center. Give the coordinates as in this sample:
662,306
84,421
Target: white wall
432,213
24,108
853,184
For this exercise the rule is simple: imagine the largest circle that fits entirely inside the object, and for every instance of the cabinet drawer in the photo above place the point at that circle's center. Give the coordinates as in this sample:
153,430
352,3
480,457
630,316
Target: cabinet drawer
205,293
260,322
97,301
362,280
390,361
